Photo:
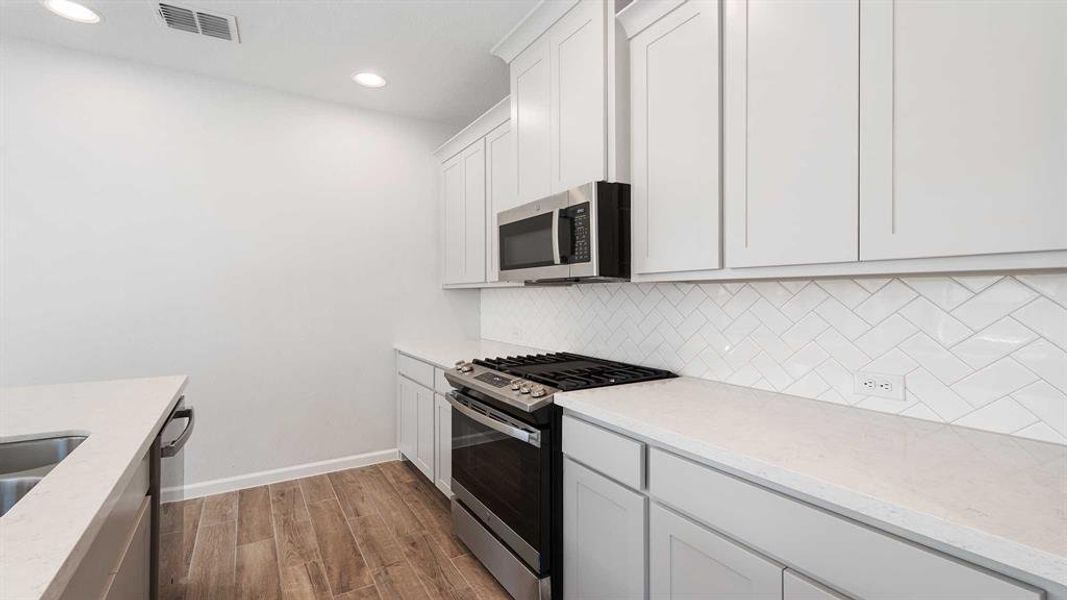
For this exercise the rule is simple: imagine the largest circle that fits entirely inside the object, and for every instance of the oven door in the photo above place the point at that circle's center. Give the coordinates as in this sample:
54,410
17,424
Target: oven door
500,473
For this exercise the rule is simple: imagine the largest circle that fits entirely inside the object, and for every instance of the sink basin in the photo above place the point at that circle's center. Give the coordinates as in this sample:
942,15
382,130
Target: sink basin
23,464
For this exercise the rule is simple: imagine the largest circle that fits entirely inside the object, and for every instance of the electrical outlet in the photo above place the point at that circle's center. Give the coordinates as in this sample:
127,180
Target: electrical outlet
879,384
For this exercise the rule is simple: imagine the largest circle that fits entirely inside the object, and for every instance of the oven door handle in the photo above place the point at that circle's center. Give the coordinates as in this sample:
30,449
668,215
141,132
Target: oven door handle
532,438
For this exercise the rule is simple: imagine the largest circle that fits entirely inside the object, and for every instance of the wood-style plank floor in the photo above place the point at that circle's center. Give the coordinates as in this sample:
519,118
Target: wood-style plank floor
382,531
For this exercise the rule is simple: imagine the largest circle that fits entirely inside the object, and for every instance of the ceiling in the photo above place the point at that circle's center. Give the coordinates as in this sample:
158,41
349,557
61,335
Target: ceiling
434,53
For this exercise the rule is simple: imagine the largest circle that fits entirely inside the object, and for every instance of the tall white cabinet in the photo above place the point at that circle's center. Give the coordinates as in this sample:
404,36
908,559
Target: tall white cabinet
791,123
565,108
963,128
674,103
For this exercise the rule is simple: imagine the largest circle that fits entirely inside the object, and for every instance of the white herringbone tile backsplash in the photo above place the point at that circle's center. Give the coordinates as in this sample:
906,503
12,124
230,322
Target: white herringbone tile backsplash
982,351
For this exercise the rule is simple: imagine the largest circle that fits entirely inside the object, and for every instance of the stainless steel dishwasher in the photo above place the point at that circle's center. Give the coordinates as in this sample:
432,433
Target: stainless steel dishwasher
167,470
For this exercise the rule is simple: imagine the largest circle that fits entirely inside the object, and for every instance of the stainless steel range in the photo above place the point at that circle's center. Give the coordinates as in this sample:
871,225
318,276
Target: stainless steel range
507,466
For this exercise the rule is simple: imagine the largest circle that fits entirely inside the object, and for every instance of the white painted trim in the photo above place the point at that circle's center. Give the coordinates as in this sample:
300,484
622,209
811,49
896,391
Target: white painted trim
532,26
1056,259
489,120
240,482
639,14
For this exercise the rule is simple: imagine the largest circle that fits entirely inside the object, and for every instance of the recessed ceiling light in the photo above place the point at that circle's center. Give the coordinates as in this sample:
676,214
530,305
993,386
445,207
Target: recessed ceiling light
371,80
71,10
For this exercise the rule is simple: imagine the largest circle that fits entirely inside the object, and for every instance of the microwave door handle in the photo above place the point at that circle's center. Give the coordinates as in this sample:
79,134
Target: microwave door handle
555,236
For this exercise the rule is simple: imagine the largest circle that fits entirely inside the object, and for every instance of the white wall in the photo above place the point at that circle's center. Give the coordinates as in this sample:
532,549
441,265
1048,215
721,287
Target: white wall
269,246
981,351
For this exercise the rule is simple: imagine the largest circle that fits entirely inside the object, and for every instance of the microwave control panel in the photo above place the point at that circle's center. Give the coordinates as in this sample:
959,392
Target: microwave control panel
578,217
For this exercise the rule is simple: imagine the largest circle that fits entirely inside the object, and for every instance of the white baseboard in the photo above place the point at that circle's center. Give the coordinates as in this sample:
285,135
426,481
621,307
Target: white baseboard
240,482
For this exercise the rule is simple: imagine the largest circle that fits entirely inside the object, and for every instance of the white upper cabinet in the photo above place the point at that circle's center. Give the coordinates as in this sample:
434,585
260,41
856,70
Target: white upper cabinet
463,188
963,128
500,187
578,71
791,83
565,99
674,102
530,116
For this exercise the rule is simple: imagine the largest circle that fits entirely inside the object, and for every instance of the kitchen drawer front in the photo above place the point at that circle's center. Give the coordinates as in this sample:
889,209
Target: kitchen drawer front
93,573
614,455
440,384
853,558
415,370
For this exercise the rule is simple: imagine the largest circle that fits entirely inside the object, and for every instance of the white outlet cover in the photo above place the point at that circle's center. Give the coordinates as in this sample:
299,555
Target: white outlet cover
882,385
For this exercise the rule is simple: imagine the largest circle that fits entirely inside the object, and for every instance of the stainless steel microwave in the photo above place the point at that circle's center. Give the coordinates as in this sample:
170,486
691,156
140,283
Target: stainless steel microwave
582,234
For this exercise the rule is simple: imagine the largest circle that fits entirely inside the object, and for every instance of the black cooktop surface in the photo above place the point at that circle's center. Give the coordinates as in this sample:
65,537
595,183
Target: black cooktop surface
566,371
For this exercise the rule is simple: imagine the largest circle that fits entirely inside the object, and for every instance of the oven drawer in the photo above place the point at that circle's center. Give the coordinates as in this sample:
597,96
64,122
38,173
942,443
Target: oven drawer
854,558
415,370
614,455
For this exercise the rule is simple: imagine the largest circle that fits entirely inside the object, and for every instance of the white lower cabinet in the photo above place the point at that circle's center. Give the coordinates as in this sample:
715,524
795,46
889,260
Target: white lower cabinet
687,560
710,535
798,587
443,455
603,536
407,416
424,419
425,448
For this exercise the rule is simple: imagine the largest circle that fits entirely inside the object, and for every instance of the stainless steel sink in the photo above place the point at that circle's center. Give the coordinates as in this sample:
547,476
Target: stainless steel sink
23,464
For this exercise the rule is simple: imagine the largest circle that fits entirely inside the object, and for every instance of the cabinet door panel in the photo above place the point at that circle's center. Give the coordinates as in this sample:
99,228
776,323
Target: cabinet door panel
791,125
603,536
578,99
424,441
963,131
453,188
675,143
796,587
689,561
530,114
473,234
463,184
409,417
500,190
443,444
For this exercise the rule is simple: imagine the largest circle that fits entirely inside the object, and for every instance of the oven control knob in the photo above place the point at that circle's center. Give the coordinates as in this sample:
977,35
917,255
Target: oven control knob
515,386
537,392
466,368
524,390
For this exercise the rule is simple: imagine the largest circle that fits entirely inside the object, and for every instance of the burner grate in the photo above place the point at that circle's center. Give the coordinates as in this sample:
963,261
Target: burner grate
566,371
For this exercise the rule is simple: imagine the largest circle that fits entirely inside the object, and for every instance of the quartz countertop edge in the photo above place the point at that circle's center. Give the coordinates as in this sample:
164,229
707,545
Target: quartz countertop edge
50,530
950,534
445,353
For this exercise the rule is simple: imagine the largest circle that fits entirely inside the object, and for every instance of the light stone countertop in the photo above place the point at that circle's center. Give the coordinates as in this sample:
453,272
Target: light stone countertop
46,534
445,353
990,499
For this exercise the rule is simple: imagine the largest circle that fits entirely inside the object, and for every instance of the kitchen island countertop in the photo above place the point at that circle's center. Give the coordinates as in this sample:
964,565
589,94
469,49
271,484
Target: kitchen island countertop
48,532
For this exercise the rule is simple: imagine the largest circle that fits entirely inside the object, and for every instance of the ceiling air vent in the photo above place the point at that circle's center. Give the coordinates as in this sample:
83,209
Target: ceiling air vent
223,27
